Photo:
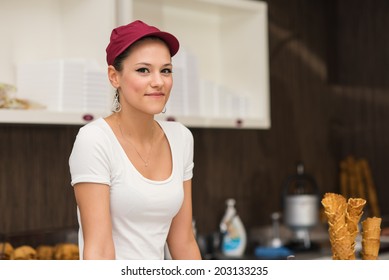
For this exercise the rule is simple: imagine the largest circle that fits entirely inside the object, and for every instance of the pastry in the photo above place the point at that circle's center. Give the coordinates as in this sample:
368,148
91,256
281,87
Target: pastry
6,251
66,251
24,252
45,252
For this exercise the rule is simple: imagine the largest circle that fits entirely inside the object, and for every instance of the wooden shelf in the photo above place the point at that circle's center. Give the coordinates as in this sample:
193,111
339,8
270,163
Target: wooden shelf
46,117
80,118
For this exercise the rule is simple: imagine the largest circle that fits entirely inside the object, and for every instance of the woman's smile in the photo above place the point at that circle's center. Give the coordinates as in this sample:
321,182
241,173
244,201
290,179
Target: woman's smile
155,94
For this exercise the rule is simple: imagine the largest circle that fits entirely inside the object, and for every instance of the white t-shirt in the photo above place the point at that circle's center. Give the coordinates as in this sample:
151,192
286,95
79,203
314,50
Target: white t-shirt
141,209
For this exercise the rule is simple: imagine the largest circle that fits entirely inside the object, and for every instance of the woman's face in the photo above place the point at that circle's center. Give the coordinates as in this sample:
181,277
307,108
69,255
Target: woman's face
146,77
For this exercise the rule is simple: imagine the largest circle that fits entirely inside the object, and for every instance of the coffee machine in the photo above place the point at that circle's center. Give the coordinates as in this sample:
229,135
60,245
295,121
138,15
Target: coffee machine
301,208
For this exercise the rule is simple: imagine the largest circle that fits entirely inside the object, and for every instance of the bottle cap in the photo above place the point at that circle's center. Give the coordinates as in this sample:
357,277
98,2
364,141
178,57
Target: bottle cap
230,202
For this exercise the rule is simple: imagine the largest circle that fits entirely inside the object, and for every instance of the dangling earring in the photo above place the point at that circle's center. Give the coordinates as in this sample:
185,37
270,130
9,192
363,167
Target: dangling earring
164,110
116,106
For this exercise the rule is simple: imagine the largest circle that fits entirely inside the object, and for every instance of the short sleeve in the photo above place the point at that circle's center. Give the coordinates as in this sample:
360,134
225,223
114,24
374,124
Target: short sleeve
89,159
188,153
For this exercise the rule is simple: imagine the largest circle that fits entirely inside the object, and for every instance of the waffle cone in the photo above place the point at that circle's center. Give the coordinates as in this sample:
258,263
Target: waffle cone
355,206
371,223
342,250
338,233
371,230
354,214
353,220
352,225
370,247
343,220
369,257
340,216
372,234
334,205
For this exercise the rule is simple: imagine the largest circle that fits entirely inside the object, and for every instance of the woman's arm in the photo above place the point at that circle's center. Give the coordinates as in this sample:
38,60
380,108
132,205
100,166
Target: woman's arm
181,241
93,202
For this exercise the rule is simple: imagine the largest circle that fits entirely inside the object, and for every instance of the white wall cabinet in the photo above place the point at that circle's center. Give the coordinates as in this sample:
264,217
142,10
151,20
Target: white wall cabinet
228,38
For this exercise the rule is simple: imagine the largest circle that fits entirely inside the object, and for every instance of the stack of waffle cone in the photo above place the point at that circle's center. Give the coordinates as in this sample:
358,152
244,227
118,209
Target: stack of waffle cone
371,230
353,216
343,218
335,208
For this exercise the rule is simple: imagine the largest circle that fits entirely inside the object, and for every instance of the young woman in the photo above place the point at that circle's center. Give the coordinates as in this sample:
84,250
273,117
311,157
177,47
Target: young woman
132,174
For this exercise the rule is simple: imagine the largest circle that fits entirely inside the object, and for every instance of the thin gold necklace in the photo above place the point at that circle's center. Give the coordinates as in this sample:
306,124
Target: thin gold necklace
147,161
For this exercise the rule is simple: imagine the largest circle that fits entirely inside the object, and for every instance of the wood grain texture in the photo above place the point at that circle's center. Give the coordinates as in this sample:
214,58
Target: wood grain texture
35,186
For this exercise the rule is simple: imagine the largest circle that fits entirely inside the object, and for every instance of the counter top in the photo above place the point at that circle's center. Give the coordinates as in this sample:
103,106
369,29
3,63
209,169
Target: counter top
326,254
319,236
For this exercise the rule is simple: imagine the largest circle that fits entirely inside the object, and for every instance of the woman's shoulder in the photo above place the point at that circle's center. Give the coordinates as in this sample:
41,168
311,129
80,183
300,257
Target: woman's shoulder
173,127
96,125
94,130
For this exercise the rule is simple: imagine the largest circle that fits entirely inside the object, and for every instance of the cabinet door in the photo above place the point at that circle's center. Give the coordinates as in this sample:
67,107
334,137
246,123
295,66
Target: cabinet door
222,78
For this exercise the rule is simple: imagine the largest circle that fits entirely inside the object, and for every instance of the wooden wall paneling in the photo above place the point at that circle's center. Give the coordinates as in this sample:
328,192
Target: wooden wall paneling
227,165
361,52
360,86
35,181
363,132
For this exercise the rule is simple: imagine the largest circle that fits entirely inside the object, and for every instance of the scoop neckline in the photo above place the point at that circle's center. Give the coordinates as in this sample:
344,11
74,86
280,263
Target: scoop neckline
155,182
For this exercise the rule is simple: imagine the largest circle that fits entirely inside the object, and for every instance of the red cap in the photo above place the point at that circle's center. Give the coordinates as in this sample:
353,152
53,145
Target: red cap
124,36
